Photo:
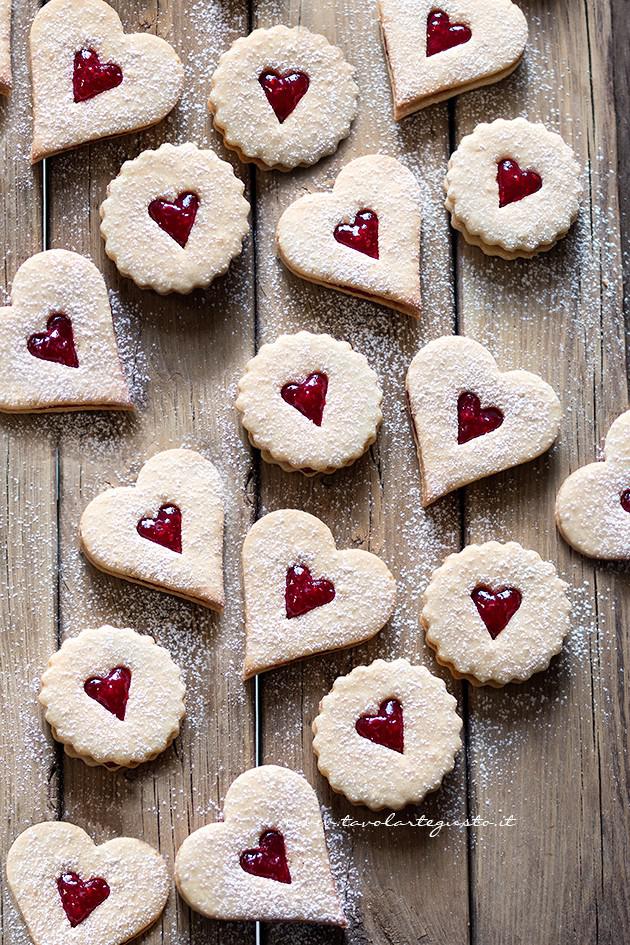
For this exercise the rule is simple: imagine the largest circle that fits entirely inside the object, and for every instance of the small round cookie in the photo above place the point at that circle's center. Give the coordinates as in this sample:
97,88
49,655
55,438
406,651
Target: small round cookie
283,97
513,188
310,403
113,697
495,613
174,218
386,734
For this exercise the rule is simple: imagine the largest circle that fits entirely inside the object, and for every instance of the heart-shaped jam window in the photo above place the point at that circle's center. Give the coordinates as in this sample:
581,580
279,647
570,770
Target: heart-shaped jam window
111,691
442,34
385,727
304,593
472,420
284,90
624,498
309,396
176,217
496,608
269,859
80,897
165,528
514,184
56,343
91,76
360,234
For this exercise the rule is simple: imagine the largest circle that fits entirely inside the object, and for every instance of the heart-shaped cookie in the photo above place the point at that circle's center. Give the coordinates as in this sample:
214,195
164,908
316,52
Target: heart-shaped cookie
363,238
593,504
57,344
302,596
5,47
386,734
91,81
123,531
267,860
69,890
470,420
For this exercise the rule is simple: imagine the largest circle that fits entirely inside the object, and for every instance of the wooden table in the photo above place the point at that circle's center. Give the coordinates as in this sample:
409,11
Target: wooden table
550,753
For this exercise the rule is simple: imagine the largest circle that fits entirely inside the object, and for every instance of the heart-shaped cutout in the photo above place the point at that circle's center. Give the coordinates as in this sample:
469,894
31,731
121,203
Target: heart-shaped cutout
272,827
515,184
284,90
67,293
442,34
304,593
111,691
308,396
90,80
383,264
447,383
593,502
176,217
496,608
385,727
187,490
356,599
93,885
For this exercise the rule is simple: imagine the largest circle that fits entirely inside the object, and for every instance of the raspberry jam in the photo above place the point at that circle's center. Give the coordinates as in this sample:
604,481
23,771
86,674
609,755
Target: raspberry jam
165,528
624,498
176,217
91,76
442,34
360,234
56,343
284,90
514,184
111,691
304,593
496,608
385,727
268,860
309,396
80,897
472,421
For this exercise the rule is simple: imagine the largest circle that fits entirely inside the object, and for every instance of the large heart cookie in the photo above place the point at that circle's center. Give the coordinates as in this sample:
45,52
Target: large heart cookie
438,49
386,734
363,238
92,81
166,531
471,420
5,47
57,343
302,596
593,504
69,890
267,861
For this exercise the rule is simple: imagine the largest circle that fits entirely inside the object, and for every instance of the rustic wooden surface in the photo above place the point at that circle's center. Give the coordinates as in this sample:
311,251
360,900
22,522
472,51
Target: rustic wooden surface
550,753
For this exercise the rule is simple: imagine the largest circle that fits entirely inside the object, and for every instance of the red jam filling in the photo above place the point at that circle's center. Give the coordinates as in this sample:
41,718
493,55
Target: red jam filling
284,90
80,897
472,421
309,396
514,184
165,528
304,593
268,860
625,500
385,727
56,343
496,608
91,76
176,217
360,234
442,34
111,691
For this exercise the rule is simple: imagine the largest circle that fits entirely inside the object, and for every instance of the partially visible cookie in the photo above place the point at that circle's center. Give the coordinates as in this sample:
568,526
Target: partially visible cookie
5,47
593,504
174,218
283,97
495,613
513,188
310,403
386,734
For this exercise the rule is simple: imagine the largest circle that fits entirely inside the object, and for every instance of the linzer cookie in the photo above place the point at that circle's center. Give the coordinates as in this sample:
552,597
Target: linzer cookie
310,403
495,613
513,188
5,47
283,97
386,734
